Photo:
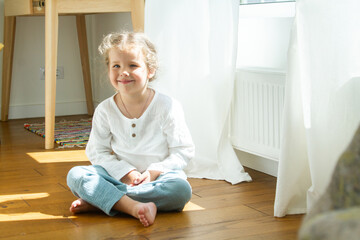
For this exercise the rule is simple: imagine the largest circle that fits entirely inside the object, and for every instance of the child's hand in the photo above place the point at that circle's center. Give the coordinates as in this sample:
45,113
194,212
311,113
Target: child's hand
144,178
148,176
132,178
154,174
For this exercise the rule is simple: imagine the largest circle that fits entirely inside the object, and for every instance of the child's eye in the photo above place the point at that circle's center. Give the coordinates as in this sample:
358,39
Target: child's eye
116,66
133,65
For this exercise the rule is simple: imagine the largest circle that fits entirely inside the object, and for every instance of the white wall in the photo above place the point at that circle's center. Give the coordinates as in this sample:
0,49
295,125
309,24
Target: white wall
28,91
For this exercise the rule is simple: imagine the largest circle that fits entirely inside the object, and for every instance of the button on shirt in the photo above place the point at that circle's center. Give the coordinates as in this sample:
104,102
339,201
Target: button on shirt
133,126
158,140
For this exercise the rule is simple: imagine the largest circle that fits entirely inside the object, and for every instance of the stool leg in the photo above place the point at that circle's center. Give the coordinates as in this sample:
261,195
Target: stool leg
138,15
51,44
84,55
9,39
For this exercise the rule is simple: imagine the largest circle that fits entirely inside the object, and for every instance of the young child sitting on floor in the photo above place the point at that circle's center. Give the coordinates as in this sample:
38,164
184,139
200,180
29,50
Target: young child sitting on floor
139,143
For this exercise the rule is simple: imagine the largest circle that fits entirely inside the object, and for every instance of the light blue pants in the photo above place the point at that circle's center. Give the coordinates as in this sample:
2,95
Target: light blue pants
170,191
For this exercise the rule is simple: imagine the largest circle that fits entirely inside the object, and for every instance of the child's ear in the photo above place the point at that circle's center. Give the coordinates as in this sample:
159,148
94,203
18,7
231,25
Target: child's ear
151,73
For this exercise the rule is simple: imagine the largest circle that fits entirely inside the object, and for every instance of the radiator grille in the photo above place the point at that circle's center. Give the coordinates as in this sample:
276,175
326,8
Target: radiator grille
256,112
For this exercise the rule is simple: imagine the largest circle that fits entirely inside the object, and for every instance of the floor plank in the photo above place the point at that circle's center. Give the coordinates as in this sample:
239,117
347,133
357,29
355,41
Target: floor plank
35,200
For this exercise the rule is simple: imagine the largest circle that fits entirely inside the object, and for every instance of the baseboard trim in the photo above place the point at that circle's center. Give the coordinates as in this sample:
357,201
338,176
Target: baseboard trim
258,163
38,110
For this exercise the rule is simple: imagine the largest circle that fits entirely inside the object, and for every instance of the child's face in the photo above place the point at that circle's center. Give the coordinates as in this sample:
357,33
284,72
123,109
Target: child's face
128,72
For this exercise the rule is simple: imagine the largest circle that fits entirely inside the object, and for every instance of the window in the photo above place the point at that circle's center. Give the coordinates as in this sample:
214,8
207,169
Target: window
264,35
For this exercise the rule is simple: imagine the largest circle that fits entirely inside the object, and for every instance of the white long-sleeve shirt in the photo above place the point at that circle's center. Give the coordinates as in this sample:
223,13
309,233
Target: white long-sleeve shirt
158,140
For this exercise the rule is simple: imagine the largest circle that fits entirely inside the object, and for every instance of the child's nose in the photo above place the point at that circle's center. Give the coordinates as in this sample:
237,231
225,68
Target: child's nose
124,74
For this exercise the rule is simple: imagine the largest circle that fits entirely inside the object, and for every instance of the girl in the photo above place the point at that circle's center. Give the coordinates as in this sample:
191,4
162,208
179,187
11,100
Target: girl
139,142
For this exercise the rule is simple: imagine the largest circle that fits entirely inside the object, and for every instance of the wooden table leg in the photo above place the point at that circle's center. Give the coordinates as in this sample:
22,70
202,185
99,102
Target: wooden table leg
9,38
138,15
51,44
84,55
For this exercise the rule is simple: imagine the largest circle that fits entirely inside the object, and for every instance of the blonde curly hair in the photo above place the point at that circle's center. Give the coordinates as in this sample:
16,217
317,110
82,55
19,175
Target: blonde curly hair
128,40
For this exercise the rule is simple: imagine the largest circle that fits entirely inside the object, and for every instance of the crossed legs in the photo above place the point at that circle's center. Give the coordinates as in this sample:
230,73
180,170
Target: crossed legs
99,191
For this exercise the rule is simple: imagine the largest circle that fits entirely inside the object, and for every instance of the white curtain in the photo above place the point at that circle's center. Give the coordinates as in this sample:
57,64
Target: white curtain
322,100
196,41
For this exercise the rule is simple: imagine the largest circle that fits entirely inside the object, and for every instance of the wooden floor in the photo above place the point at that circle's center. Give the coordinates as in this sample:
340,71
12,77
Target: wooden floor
34,201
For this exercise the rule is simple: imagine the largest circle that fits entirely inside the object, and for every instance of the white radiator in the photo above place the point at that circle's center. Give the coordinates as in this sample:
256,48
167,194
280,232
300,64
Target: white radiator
256,112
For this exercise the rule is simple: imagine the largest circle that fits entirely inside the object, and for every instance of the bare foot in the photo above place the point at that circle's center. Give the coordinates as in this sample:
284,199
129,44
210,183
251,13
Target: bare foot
146,213
80,206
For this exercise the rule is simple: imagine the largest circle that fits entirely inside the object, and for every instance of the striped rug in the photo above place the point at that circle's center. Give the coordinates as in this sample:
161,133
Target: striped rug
67,133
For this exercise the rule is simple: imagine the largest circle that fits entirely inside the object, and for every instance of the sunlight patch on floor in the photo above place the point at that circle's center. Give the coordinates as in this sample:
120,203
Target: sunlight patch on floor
59,156
30,216
12,197
190,206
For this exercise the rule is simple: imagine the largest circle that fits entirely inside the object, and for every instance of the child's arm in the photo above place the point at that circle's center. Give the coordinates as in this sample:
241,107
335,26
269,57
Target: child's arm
181,147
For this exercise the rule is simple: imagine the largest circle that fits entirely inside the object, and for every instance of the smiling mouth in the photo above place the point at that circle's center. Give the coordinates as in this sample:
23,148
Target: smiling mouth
125,81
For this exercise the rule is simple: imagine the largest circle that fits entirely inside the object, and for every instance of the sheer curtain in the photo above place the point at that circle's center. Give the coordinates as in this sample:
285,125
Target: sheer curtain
322,100
196,41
